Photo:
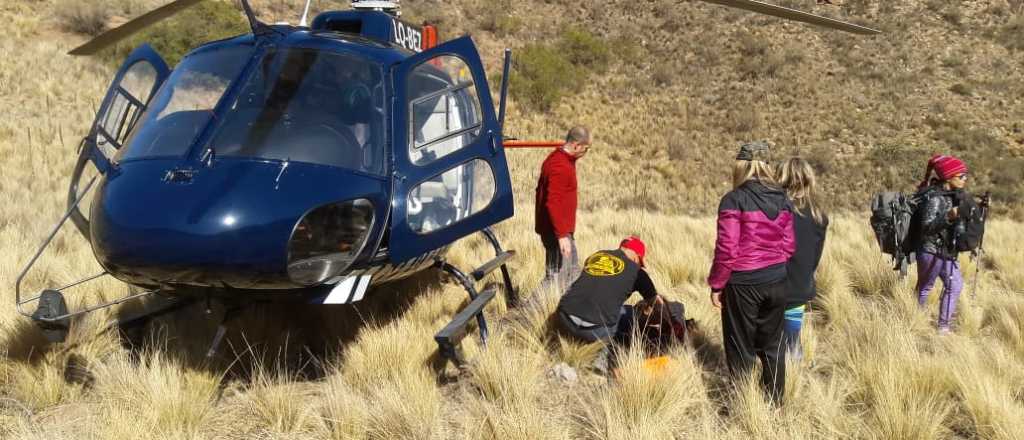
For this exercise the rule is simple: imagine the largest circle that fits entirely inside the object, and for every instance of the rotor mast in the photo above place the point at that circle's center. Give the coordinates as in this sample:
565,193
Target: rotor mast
391,7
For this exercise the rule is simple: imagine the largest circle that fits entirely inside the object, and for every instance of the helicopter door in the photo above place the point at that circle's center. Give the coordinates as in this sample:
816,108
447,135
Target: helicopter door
451,178
126,99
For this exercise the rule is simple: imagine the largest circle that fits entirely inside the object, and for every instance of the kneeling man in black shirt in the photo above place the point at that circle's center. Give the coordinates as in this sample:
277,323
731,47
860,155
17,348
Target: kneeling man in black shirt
593,307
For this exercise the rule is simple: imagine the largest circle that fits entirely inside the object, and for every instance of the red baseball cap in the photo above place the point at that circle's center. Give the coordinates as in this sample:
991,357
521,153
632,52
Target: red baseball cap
634,244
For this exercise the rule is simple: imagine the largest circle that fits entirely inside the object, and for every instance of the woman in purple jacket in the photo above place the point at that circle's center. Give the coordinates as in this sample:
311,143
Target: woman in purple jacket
748,276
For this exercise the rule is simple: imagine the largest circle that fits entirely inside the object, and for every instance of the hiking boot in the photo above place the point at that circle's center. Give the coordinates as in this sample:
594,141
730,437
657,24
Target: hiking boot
944,331
602,363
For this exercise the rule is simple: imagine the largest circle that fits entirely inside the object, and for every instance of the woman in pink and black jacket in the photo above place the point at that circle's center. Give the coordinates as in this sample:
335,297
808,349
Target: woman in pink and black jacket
755,240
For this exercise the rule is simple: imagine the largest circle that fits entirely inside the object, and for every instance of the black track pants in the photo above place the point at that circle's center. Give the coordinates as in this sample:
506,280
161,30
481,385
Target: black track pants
752,318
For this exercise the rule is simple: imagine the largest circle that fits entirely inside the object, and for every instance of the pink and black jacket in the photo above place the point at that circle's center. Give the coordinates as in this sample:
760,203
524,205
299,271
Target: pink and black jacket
755,236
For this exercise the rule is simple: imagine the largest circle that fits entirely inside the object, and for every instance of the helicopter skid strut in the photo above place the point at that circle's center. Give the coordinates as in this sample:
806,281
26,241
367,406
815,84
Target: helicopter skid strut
52,314
230,312
450,337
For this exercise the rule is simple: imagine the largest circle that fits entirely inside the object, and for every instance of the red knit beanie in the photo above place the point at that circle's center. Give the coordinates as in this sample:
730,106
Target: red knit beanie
946,167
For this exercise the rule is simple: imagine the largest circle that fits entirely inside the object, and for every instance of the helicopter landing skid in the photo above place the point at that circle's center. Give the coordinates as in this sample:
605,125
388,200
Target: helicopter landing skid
52,313
449,338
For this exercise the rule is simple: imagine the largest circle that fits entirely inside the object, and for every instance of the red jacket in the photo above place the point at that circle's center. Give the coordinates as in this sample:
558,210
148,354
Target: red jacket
556,195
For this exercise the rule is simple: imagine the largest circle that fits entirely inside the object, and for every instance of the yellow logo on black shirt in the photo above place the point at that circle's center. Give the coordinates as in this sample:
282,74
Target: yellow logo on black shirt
603,264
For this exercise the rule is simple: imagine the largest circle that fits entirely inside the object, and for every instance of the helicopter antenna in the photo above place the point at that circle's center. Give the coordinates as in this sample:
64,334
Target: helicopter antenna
305,14
258,28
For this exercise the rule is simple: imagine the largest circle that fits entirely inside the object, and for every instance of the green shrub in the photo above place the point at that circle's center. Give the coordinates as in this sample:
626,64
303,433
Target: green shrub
1007,172
953,61
584,49
961,89
82,17
760,60
957,135
506,25
174,37
971,139
743,120
663,74
898,163
751,45
1012,34
997,10
765,66
541,76
992,171
679,149
885,154
822,158
495,17
952,14
947,10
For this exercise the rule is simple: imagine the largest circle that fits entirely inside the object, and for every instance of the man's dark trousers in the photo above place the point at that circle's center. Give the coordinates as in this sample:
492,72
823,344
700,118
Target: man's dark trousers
557,268
752,322
601,332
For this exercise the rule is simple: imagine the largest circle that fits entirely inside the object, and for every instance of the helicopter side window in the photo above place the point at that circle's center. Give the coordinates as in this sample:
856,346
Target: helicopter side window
451,196
184,104
126,104
444,109
309,105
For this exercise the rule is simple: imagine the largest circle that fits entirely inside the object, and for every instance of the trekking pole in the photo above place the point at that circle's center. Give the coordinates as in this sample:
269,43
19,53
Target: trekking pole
978,256
897,256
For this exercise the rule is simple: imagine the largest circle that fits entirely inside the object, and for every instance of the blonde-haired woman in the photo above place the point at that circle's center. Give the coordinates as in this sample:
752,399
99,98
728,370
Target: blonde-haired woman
748,276
809,225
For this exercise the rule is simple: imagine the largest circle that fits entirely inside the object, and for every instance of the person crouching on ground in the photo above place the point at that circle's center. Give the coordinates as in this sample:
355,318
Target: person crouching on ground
592,309
748,275
937,253
809,226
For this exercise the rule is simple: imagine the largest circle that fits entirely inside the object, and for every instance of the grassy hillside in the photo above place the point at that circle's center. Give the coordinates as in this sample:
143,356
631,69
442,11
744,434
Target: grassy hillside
688,81
681,86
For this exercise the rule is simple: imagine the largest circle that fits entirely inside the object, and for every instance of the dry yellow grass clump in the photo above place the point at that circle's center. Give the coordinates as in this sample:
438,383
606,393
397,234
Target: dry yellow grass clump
874,366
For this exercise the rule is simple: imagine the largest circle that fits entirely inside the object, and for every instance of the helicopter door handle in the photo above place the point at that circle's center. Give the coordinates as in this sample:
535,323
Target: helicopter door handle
179,175
495,144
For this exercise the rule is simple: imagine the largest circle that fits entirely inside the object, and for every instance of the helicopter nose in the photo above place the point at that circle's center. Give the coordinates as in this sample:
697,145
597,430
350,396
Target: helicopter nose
224,226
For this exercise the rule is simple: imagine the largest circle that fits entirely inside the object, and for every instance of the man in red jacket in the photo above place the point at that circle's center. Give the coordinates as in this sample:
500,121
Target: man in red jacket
556,208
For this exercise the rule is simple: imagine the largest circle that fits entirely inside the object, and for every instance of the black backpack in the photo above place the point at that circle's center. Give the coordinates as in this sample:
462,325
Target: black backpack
895,218
972,214
896,222
662,328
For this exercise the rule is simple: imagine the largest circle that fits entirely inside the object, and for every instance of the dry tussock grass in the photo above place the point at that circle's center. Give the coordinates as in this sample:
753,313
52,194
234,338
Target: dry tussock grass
873,367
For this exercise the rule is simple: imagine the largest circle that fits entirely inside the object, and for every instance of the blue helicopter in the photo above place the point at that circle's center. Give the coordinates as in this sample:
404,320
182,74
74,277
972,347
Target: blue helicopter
304,162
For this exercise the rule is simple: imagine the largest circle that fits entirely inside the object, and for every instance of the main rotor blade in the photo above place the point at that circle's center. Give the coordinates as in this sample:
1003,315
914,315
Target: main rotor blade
126,30
796,15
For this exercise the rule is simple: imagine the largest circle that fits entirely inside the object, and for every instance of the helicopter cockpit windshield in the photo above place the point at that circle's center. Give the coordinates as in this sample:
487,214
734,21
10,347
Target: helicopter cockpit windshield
184,105
308,105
